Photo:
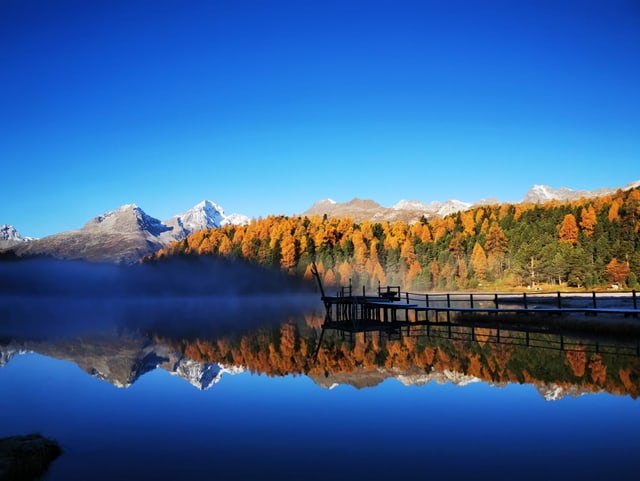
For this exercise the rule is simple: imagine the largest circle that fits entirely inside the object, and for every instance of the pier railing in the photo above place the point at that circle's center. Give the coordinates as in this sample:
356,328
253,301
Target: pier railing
390,304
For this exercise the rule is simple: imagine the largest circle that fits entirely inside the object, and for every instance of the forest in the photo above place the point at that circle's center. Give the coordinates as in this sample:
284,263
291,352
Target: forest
291,349
591,243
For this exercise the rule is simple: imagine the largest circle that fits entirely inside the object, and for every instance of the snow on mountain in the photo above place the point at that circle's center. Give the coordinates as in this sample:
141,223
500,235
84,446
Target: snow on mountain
451,206
435,208
202,375
555,392
411,205
539,193
236,219
205,215
7,354
10,236
544,193
122,235
127,218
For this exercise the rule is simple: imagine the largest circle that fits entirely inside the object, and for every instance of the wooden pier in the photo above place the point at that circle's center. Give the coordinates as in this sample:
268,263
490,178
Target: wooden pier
534,320
392,306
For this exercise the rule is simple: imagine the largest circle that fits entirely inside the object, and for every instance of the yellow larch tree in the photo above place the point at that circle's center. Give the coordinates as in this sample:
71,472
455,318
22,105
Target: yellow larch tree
588,220
484,227
468,222
421,231
479,261
288,252
408,252
438,228
360,251
366,227
614,214
225,246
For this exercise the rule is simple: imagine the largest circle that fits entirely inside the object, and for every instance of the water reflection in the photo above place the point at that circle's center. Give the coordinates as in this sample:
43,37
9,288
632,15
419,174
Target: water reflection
276,395
201,339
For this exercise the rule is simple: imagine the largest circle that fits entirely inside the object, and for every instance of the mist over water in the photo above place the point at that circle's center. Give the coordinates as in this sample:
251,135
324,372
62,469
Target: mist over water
190,296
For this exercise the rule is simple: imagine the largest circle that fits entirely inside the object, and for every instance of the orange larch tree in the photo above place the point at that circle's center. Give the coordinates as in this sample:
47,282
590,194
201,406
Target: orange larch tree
617,272
569,230
588,220
479,261
288,252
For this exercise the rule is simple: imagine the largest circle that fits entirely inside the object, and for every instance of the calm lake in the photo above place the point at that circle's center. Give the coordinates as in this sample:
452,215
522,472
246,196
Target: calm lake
251,388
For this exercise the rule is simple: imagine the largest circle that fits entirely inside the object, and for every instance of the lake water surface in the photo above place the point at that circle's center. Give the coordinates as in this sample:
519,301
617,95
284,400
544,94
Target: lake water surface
172,388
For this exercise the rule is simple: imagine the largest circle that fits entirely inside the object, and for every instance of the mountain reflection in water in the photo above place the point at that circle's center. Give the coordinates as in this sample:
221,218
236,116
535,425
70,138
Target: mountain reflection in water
272,339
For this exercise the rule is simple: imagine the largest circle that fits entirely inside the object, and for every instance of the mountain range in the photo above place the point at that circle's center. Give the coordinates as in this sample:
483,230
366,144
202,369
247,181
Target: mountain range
121,361
411,211
124,235
127,234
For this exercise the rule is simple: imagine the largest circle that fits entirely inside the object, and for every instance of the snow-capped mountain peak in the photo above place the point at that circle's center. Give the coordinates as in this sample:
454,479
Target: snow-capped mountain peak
451,206
9,233
434,208
128,217
539,193
202,375
410,205
206,215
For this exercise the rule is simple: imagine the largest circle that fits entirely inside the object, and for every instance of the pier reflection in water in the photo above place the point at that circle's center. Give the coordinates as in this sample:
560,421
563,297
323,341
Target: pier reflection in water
431,400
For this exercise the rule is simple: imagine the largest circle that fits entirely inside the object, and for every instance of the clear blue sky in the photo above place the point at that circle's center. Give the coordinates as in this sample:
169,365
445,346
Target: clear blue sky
267,106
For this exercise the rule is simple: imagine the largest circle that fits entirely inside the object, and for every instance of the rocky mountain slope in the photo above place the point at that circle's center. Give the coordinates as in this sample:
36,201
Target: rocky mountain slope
404,211
125,235
121,361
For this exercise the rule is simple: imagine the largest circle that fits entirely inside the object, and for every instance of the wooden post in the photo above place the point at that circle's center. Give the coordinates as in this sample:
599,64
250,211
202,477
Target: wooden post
593,294
559,301
471,300
524,300
449,312
426,300
495,300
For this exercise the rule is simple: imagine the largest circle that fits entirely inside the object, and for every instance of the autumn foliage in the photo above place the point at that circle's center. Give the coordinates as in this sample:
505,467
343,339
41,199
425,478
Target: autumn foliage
586,243
294,348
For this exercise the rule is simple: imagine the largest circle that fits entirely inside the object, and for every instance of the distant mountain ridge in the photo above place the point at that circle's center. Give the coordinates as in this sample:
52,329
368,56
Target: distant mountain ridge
404,211
544,193
124,235
411,211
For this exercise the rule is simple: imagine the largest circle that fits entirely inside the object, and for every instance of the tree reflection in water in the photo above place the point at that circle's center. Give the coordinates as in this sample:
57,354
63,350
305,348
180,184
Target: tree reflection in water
552,360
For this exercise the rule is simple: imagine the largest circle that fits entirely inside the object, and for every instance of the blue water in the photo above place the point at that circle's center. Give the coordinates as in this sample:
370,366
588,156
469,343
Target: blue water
251,426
